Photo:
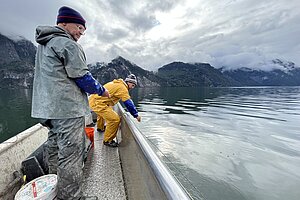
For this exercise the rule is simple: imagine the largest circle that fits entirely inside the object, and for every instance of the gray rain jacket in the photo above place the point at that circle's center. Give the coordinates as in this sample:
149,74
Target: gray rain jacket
59,60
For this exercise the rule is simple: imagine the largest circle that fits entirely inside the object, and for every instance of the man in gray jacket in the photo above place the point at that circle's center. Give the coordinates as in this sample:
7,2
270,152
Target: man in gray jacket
59,100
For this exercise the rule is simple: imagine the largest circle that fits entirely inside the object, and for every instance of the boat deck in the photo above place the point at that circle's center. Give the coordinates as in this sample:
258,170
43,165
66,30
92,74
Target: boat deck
102,172
132,171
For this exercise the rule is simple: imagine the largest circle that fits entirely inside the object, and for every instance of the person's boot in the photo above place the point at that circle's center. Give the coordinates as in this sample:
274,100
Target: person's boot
111,144
100,130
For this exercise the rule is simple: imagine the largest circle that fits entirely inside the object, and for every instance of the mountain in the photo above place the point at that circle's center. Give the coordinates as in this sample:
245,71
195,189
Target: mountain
176,74
17,69
120,68
179,74
16,62
284,74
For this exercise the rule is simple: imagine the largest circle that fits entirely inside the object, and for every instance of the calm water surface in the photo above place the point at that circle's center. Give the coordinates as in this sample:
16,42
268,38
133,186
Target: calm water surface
227,143
221,143
15,109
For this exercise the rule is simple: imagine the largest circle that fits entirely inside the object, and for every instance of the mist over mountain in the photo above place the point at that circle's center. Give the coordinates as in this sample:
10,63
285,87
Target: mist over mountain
17,68
16,62
282,74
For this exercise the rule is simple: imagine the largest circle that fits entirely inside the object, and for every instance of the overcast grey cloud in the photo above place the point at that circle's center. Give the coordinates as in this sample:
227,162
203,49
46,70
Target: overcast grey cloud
151,33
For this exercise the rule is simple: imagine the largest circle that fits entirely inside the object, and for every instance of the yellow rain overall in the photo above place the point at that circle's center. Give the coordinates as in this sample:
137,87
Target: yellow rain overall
102,106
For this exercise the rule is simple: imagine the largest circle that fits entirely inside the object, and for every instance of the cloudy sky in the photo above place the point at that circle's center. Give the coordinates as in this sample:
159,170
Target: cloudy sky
152,33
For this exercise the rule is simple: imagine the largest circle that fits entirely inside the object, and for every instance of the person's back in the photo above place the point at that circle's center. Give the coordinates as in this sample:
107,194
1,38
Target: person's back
55,94
102,106
117,89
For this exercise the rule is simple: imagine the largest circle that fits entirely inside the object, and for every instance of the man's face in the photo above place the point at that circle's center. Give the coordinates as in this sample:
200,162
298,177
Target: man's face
75,30
130,85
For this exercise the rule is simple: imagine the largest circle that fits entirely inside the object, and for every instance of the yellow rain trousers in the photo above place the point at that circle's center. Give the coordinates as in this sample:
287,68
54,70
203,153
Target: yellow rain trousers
102,106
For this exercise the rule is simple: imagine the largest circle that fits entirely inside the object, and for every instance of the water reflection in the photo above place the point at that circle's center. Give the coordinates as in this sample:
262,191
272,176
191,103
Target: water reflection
240,142
15,106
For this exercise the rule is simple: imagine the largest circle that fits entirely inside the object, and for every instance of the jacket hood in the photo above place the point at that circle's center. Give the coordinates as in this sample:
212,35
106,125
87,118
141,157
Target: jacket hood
44,34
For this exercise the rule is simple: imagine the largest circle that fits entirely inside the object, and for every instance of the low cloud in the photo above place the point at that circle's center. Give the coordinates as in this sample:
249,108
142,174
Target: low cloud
234,34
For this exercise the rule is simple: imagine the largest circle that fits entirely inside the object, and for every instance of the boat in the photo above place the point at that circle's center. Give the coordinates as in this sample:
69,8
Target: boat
131,171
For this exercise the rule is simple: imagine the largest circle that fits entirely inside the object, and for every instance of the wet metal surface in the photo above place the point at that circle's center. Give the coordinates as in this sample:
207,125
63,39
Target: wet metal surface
13,151
102,172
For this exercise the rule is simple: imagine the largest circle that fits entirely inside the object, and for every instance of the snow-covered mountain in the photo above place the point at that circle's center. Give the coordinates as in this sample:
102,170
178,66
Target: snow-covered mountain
273,73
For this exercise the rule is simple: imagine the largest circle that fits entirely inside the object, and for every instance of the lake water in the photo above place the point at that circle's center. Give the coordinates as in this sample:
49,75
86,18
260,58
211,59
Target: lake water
221,143
15,109
227,143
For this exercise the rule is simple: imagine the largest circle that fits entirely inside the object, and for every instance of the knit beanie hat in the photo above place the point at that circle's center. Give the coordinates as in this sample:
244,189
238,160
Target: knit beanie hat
69,15
131,78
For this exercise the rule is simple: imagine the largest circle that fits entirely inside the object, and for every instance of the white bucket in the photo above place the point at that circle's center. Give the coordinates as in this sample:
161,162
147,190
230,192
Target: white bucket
41,188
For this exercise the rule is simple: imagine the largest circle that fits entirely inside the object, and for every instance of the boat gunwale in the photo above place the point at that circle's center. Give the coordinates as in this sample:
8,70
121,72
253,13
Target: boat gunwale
7,144
170,185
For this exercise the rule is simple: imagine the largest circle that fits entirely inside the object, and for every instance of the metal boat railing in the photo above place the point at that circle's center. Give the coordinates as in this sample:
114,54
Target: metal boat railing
169,185
12,152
